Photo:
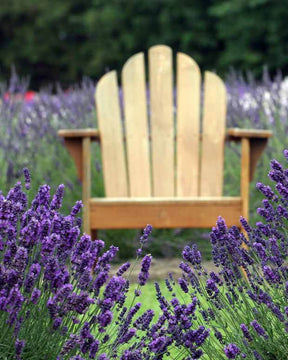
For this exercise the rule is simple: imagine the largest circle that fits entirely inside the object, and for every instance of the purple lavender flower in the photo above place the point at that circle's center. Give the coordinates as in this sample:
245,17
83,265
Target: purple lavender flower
57,199
103,357
93,349
32,276
105,318
246,332
144,272
127,336
266,190
56,323
146,233
160,344
27,178
231,351
192,255
35,295
76,208
123,269
259,329
272,276
19,346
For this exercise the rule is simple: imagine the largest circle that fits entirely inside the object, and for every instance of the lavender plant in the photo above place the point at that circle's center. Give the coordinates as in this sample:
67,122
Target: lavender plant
243,305
28,135
58,299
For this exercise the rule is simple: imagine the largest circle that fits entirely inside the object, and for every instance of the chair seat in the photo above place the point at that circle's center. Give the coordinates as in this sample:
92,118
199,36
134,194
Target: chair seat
163,212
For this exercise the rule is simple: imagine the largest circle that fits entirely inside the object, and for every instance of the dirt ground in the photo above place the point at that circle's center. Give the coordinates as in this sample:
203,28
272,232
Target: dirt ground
159,268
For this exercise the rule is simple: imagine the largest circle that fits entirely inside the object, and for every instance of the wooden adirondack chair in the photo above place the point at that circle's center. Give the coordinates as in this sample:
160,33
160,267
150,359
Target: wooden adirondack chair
162,167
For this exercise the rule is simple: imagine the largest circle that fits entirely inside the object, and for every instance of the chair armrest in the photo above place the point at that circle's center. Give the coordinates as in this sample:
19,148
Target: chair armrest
258,140
94,134
235,134
74,143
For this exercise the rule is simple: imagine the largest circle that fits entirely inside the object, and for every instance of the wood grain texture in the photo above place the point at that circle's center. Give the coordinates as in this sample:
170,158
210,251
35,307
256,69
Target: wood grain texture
249,133
136,124
86,184
163,212
162,127
188,126
94,134
112,147
245,176
214,121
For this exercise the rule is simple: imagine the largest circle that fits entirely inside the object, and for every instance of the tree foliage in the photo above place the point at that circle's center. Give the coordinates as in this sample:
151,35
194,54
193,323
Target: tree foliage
64,40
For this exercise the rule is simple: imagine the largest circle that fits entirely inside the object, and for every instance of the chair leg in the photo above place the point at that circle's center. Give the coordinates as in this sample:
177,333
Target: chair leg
93,234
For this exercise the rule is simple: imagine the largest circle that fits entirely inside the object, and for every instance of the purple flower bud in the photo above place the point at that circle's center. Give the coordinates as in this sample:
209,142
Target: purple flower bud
231,351
19,346
266,190
93,349
192,255
285,152
35,296
123,269
183,284
76,208
127,336
259,329
56,323
32,276
56,202
27,178
245,225
144,272
246,332
146,233
272,276
103,357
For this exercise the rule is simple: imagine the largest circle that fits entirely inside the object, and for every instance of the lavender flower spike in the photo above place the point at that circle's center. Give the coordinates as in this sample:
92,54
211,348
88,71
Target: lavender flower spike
145,266
19,346
231,351
258,328
27,178
146,233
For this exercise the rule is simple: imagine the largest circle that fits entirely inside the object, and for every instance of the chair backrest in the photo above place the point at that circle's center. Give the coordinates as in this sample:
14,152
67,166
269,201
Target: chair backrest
185,156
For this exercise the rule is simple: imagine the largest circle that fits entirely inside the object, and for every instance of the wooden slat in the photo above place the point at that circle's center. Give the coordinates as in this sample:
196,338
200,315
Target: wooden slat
162,131
86,185
245,176
248,133
136,123
163,213
94,134
109,120
214,117
188,126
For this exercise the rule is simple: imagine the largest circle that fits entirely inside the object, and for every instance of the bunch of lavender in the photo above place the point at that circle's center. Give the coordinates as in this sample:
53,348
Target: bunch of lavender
245,303
57,296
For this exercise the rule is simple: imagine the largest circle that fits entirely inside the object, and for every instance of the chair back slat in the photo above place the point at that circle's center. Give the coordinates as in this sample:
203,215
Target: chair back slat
155,165
136,125
213,136
161,117
188,126
112,147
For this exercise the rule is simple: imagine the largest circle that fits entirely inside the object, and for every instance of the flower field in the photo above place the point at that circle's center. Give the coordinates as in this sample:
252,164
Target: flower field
28,137
58,299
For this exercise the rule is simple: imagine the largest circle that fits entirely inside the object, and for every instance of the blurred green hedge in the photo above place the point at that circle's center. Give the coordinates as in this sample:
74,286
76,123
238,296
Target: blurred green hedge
64,40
